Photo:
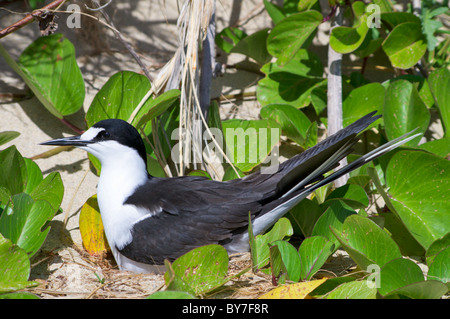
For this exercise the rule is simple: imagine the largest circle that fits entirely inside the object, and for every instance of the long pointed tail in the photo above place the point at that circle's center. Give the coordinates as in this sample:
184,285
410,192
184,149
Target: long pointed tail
304,187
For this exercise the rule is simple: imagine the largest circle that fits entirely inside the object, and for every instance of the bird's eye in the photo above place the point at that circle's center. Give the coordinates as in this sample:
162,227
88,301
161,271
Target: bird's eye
104,135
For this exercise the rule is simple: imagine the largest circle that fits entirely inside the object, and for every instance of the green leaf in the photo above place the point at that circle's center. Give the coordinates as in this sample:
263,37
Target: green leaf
52,73
366,243
249,141
254,46
403,277
392,19
292,83
228,38
404,111
419,184
345,39
314,252
304,216
274,11
439,268
8,136
260,245
203,269
353,290
155,107
294,123
398,273
290,259
287,37
34,175
436,247
25,226
405,45
14,267
406,242
13,170
439,81
118,97
50,189
351,194
167,294
305,4
362,100
333,218
440,147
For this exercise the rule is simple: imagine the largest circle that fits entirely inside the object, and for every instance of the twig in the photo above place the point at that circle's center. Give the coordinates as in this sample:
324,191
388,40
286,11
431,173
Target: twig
334,95
30,18
72,126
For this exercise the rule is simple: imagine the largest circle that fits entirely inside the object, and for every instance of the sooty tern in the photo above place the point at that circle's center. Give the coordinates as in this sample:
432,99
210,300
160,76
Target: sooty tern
149,219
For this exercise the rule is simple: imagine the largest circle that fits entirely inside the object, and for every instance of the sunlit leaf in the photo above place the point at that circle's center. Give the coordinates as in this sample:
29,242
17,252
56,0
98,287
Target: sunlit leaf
294,291
91,228
419,188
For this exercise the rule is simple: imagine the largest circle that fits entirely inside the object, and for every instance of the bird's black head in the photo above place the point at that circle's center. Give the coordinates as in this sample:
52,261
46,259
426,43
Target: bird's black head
121,132
114,130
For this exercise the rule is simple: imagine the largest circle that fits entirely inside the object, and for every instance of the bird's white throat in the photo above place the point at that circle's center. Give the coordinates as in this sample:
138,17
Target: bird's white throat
122,172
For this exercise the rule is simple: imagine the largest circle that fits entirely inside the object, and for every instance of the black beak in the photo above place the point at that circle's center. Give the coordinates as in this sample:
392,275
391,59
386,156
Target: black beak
66,141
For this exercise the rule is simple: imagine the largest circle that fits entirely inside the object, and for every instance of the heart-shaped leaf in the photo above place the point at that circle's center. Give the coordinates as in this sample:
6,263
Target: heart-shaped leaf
351,194
50,67
254,46
404,111
353,290
303,216
419,184
291,83
14,267
405,45
25,225
439,268
250,141
294,123
365,242
289,259
333,219
260,245
362,100
403,277
345,39
202,269
13,170
314,252
287,37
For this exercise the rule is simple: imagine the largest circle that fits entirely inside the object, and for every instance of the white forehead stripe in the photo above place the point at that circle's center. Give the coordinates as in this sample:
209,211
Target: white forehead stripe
91,133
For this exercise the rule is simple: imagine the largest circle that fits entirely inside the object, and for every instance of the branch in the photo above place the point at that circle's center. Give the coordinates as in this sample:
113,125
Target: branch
30,18
334,96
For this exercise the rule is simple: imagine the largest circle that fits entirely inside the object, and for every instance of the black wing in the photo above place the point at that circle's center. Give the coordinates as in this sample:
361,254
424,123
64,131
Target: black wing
194,211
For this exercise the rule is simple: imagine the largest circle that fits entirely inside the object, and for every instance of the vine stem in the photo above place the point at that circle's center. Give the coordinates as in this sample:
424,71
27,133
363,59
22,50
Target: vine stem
72,126
30,18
